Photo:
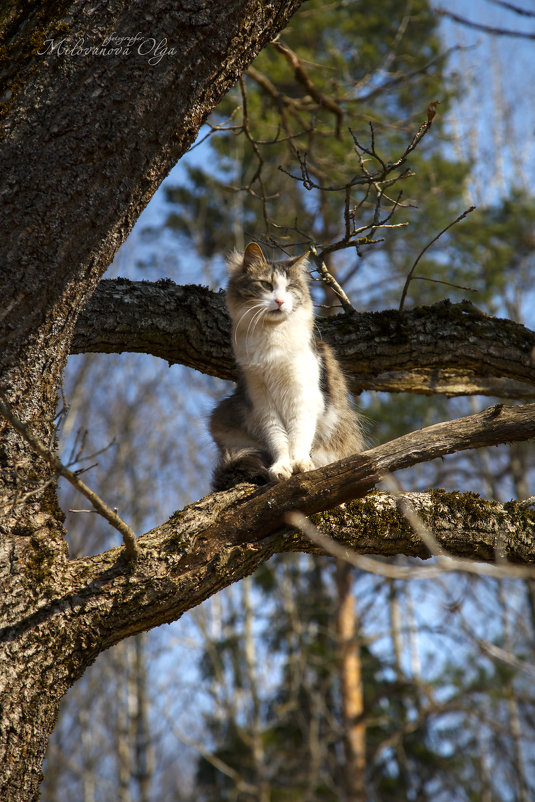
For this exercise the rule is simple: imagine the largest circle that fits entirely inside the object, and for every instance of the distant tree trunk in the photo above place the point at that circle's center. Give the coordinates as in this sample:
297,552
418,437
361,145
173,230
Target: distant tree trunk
397,646
255,725
144,758
395,626
124,742
352,686
88,770
515,727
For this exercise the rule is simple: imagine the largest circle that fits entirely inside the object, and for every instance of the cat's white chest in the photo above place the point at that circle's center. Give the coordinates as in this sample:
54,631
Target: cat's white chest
283,373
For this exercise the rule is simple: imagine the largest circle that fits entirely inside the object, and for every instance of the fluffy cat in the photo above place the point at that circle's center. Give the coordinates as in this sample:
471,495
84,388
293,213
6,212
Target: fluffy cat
290,411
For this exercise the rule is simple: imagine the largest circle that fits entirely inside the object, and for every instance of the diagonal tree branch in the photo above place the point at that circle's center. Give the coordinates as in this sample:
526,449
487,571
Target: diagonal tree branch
225,536
303,78
447,348
355,476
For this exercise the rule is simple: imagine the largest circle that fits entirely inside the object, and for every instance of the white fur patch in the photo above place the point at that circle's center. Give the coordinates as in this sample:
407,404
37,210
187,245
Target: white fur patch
282,372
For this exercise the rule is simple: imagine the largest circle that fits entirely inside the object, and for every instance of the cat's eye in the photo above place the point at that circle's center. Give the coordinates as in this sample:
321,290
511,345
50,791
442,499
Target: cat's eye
266,285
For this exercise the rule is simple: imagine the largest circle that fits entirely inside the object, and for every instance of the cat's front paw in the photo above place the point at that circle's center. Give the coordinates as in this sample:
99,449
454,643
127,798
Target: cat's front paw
302,464
280,470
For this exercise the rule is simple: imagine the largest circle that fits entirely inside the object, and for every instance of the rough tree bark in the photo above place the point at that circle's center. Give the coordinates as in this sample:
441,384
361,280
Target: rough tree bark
446,348
88,134
87,137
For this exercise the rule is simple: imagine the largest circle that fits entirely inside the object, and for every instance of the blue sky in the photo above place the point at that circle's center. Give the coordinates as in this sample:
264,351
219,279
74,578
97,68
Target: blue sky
493,125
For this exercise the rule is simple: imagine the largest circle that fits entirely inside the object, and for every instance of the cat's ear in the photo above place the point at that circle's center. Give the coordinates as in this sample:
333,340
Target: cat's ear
242,260
253,253
299,264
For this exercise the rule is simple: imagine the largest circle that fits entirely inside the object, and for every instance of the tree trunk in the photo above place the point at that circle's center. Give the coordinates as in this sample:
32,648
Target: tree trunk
143,750
351,687
88,135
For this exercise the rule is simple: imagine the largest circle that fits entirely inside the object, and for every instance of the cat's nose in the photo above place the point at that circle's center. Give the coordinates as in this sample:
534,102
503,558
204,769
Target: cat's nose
279,302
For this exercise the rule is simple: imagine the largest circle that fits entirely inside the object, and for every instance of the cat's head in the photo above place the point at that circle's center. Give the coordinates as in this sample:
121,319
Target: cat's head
271,290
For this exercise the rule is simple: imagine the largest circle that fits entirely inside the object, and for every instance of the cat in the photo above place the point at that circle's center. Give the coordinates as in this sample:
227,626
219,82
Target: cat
290,411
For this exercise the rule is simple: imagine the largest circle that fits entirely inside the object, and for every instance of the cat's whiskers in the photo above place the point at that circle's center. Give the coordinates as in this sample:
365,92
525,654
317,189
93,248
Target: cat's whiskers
249,309
254,322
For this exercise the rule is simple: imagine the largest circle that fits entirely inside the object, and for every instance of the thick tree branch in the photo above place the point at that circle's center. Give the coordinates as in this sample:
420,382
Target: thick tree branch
225,536
456,523
446,348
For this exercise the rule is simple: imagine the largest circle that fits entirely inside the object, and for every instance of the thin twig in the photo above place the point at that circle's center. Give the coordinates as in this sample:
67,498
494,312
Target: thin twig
388,167
486,28
258,173
303,78
444,564
410,275
404,77
446,283
129,537
329,279
524,12
215,129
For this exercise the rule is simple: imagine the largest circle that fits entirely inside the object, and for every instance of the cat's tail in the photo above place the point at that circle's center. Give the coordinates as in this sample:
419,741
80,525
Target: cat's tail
247,465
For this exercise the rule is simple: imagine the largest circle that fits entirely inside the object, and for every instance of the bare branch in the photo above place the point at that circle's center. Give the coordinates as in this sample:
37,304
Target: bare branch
410,275
258,172
486,28
388,167
303,78
523,12
444,283
224,126
60,469
365,97
330,280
